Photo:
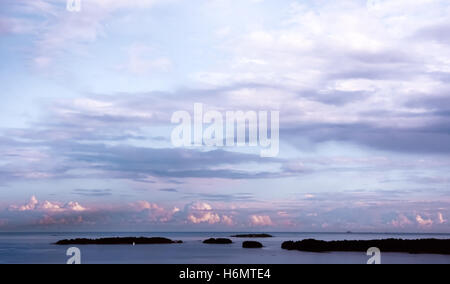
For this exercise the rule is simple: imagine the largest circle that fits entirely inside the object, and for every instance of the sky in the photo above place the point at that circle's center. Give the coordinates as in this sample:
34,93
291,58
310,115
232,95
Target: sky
362,88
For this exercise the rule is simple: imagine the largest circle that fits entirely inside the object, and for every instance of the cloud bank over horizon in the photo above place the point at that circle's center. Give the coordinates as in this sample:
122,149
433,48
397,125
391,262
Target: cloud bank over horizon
362,88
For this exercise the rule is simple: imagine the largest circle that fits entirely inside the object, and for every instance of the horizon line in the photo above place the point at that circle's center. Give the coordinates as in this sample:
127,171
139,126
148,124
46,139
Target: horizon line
227,232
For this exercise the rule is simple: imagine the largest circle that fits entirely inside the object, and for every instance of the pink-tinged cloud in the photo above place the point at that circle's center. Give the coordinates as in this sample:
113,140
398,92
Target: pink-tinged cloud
47,206
401,221
206,217
441,219
256,220
214,215
155,212
424,222
27,207
202,213
74,206
227,220
201,206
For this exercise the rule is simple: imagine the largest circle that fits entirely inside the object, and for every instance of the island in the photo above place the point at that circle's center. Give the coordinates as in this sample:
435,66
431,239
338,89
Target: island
254,236
252,245
118,241
422,246
219,241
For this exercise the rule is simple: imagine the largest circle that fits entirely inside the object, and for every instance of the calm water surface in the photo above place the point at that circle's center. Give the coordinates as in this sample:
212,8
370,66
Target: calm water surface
39,248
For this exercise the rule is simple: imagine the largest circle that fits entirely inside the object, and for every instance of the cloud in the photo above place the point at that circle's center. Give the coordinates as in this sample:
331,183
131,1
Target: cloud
201,206
401,222
326,64
201,212
118,120
74,206
346,77
441,219
45,214
27,207
437,32
204,217
262,221
424,222
154,212
123,161
47,206
352,211
11,25
368,80
116,137
141,61
58,31
416,124
204,213
227,220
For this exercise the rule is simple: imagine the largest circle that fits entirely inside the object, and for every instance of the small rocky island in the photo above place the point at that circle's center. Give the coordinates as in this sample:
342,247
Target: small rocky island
219,241
423,246
252,245
118,241
253,236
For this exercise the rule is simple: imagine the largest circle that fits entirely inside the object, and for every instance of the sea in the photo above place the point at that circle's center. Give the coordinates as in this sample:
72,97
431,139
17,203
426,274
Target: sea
39,248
